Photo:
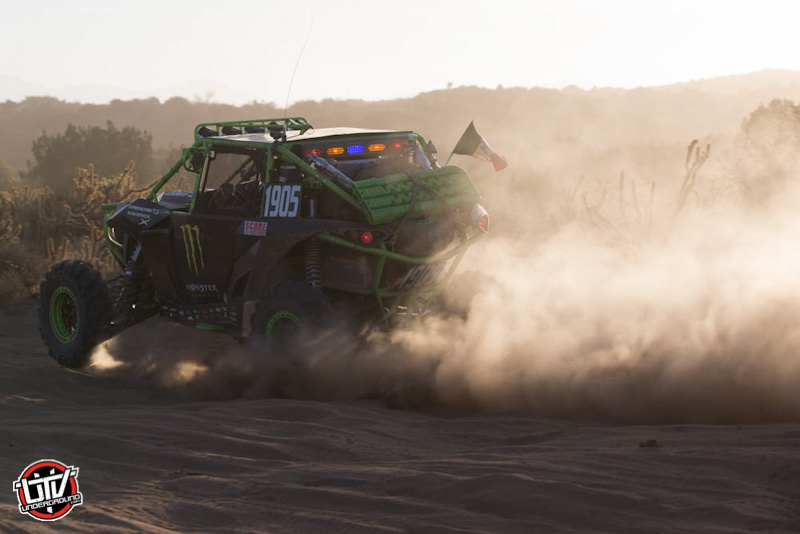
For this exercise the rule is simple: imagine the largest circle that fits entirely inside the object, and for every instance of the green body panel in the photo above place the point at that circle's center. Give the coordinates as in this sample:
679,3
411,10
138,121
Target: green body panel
389,198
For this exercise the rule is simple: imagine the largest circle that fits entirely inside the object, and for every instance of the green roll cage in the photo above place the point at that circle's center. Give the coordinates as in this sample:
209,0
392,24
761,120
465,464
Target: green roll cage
313,178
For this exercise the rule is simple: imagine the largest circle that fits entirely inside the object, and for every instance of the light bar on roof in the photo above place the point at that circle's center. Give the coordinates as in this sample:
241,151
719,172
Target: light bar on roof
372,148
355,149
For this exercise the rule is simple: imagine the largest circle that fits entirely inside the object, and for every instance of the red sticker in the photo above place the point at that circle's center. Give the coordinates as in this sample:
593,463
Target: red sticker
255,228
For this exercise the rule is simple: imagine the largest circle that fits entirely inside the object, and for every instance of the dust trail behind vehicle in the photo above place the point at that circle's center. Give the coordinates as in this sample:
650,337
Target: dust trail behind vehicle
699,323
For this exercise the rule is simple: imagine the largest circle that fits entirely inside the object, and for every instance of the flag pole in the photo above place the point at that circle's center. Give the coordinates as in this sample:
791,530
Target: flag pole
454,148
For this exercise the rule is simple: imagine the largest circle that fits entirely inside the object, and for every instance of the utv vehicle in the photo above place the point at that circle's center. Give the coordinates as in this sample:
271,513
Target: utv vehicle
286,228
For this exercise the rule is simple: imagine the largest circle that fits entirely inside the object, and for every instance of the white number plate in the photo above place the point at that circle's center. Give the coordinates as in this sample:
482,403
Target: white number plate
282,200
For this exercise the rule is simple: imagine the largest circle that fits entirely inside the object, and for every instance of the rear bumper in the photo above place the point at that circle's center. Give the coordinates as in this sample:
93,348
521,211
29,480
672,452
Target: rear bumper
420,286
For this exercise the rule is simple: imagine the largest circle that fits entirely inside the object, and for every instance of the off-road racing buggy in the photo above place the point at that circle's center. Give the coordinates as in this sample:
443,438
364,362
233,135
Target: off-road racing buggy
286,227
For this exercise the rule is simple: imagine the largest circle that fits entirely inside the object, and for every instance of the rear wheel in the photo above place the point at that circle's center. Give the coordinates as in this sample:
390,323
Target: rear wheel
288,312
74,311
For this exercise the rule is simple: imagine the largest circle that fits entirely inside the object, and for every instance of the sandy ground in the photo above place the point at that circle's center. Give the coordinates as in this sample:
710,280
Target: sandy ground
156,460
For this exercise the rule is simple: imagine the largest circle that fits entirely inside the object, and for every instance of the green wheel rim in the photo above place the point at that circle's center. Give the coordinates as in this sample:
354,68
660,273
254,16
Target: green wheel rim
277,318
64,316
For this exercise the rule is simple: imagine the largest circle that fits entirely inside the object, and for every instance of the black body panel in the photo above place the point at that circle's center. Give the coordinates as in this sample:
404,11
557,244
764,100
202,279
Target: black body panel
137,216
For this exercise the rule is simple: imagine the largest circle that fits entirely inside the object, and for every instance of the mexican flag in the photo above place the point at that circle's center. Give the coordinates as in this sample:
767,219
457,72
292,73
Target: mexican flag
472,144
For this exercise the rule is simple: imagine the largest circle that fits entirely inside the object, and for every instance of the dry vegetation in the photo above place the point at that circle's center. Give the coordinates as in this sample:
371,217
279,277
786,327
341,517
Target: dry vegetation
39,227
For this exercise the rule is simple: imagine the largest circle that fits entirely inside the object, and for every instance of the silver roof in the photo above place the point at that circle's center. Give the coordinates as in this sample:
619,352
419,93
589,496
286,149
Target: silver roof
312,133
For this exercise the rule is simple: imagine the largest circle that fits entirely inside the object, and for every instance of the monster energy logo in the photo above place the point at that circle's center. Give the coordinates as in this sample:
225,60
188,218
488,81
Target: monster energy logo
191,237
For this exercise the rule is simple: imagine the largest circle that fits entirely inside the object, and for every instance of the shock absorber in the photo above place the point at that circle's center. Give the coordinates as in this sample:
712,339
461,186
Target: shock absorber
313,250
313,264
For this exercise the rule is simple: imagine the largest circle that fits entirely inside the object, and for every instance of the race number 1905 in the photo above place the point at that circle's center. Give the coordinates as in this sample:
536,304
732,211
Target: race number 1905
282,200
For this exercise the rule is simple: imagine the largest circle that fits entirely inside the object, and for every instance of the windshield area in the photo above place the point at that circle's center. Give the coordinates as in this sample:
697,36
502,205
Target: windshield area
233,168
233,183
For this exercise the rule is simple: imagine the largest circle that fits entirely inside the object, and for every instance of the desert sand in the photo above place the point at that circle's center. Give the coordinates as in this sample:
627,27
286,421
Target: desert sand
159,459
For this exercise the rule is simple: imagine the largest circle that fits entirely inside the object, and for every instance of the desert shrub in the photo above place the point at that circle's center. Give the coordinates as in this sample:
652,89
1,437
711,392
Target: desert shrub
769,144
109,148
39,227
630,212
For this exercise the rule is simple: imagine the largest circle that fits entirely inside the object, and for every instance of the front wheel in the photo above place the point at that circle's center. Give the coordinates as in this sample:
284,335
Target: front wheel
74,311
289,312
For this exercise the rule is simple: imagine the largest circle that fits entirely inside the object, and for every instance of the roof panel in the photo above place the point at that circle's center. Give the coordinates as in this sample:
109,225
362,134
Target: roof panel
314,133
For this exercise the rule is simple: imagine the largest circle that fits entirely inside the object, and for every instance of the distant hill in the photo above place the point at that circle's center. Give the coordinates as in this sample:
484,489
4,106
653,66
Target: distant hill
16,89
769,82
543,127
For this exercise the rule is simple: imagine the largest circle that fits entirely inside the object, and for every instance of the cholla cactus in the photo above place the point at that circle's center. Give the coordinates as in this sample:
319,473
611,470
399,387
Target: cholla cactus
57,227
91,190
9,229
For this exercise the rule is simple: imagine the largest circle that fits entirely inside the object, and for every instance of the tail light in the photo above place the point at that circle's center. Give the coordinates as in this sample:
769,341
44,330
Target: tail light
479,217
365,237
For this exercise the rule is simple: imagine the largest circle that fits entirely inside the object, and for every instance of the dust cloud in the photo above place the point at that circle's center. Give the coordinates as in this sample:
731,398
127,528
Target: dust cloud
696,320
703,328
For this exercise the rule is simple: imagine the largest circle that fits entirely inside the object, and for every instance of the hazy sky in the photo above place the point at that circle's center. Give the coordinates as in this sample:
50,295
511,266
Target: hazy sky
246,50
